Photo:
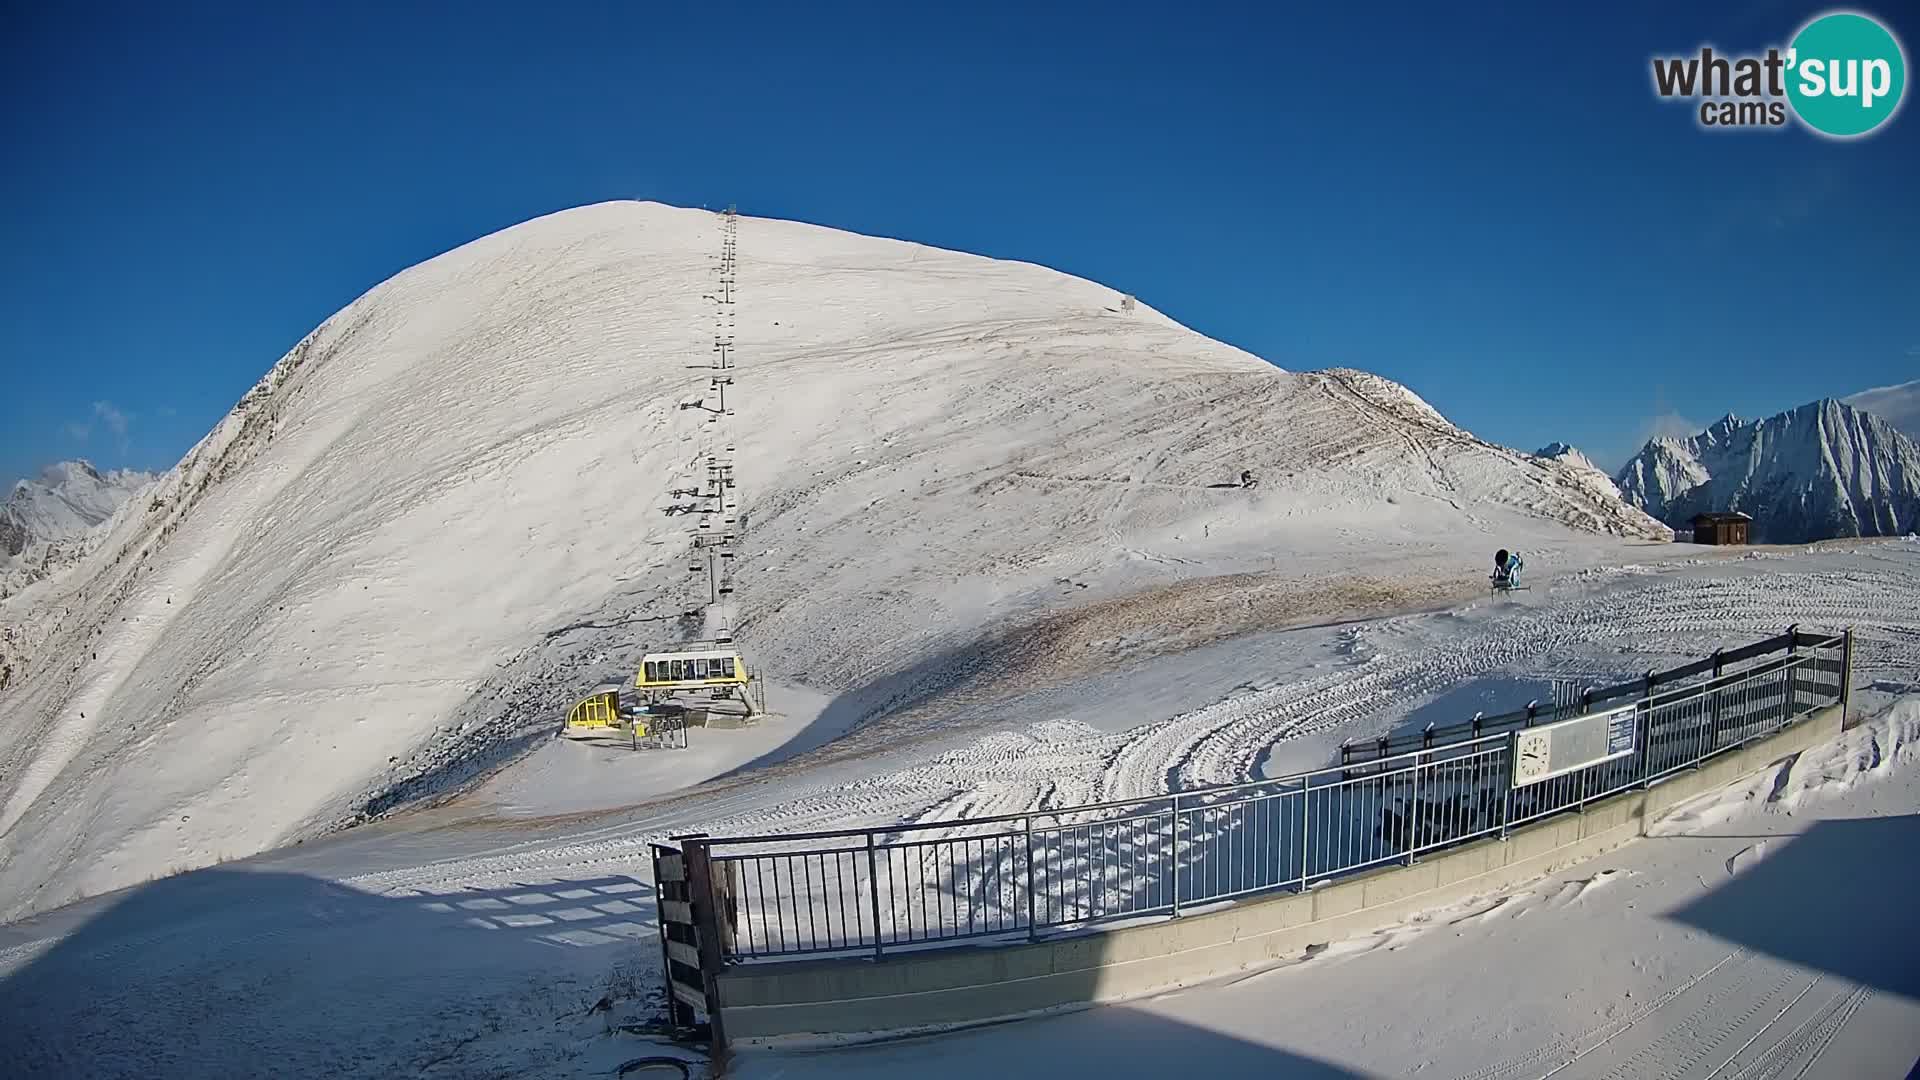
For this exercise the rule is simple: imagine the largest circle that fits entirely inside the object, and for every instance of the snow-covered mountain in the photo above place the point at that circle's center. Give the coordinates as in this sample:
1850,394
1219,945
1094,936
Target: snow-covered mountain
446,513
64,503
1820,471
1582,466
1897,405
1560,451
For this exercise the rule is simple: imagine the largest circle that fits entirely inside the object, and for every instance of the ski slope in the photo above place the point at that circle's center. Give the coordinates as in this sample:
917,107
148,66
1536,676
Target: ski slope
445,513
1314,688
473,941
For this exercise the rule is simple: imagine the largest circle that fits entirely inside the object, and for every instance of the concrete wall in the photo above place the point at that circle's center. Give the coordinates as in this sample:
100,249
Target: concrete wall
803,1000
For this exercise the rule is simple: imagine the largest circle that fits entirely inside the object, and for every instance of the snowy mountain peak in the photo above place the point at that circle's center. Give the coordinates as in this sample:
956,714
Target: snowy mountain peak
456,505
1581,468
64,503
1559,451
1822,470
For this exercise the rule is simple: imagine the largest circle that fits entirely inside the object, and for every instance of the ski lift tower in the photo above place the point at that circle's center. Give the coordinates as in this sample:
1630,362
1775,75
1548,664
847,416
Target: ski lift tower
716,534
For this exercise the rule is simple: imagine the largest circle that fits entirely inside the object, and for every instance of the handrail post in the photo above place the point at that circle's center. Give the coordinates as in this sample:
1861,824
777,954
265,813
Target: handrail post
1793,674
1413,813
1713,704
1306,837
1176,854
1033,926
1846,675
873,893
696,851
1506,814
1644,744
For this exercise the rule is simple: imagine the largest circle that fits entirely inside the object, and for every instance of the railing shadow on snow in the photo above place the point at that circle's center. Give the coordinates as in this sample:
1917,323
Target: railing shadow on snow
239,972
1837,899
1115,1043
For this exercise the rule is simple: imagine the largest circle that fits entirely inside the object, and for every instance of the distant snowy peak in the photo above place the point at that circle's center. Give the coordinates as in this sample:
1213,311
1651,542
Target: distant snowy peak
1559,451
1661,472
1581,467
64,503
1897,405
1823,470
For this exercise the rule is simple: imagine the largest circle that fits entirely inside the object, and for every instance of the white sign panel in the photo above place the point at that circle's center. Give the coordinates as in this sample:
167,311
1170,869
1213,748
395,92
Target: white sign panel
1550,750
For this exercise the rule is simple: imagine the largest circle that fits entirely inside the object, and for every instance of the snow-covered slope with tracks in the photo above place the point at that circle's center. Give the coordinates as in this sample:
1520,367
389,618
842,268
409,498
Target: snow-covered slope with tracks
442,515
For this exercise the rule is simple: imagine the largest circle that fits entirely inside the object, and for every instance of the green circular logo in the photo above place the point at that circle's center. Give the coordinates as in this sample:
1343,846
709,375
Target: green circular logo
1845,74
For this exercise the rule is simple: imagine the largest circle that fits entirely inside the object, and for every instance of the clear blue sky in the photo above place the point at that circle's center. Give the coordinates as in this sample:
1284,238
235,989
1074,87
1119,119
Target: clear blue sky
1490,208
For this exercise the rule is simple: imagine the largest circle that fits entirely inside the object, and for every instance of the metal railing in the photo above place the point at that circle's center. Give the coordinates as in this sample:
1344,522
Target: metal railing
908,886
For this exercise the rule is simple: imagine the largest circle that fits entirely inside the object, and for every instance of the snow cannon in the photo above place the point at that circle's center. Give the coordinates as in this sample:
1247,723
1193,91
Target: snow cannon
1506,572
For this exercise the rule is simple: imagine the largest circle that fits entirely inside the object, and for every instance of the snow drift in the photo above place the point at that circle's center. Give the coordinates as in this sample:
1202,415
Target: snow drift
1820,471
441,516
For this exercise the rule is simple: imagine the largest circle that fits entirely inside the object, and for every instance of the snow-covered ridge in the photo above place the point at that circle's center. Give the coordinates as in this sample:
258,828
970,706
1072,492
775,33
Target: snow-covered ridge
442,515
1582,467
1560,451
65,502
47,526
45,523
1898,405
1823,470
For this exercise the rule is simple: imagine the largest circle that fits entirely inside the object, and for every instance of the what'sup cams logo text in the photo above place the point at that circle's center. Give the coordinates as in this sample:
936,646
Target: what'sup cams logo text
1842,76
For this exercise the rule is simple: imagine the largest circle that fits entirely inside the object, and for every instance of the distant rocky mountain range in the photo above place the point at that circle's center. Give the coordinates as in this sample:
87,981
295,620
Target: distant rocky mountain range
1824,470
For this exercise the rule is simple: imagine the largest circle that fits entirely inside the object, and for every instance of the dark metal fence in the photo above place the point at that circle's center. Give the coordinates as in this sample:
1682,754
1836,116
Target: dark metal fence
924,885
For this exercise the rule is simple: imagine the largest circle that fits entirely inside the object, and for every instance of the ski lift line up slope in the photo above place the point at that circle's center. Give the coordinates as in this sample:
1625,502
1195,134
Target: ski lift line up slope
346,591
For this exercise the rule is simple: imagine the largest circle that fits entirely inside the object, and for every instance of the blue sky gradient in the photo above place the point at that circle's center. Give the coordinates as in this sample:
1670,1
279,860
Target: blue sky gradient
1493,209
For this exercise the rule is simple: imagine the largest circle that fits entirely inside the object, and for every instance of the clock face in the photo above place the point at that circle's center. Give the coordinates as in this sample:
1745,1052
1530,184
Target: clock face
1530,755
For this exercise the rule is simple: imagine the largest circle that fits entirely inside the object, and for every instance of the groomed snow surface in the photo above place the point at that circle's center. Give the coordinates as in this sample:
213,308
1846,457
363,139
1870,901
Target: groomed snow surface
1763,932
